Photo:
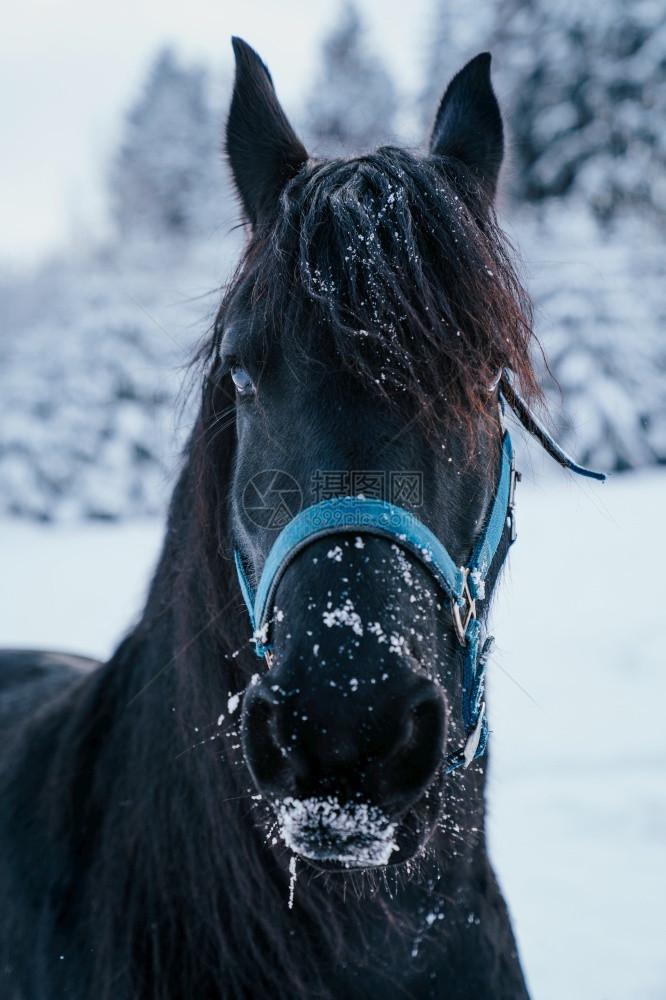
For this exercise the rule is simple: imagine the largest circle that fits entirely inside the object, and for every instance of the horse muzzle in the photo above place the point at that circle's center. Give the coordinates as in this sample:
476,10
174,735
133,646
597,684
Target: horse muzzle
345,760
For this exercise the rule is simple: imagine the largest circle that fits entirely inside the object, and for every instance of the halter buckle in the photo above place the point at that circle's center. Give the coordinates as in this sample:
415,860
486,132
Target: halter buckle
515,478
465,612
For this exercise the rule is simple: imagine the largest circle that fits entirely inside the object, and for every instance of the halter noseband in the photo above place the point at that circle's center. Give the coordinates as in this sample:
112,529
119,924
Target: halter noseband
463,585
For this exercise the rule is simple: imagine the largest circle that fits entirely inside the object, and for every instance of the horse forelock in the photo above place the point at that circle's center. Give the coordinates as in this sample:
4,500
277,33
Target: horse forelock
393,265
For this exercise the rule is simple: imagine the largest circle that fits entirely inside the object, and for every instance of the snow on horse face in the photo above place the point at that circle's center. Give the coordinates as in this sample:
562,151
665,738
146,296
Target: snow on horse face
342,337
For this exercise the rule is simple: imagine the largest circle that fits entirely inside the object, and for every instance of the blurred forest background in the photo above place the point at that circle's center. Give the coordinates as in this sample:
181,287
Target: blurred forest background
94,343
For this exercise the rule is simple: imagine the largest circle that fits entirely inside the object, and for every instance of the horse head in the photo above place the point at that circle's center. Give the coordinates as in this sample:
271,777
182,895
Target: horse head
362,338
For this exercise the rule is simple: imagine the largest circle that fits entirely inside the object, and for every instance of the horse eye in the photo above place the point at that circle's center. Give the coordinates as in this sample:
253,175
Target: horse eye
242,381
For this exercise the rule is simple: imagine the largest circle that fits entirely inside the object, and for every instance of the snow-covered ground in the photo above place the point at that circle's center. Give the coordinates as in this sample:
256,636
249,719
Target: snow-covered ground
577,798
578,791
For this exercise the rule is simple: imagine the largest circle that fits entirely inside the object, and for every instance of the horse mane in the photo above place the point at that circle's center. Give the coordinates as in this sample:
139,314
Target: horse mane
394,265
175,879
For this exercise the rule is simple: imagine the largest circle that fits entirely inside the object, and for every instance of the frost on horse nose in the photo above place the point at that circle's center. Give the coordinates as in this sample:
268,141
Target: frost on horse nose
354,835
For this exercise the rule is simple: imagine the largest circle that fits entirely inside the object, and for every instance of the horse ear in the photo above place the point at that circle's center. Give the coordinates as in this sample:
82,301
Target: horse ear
468,125
263,150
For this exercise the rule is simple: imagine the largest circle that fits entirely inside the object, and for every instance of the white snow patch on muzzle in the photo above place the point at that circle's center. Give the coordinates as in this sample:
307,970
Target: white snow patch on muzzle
351,834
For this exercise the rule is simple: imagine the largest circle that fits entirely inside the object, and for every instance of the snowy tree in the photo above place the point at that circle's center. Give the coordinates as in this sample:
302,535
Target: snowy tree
601,311
93,345
353,103
167,178
87,393
585,86
92,407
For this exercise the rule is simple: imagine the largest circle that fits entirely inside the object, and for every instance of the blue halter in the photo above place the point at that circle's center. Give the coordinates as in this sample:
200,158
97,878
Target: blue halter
463,585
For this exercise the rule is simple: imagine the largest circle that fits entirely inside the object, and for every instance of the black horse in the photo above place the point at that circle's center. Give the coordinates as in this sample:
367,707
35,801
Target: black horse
162,834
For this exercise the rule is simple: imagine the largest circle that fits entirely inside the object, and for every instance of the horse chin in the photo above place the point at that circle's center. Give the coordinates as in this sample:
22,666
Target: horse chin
323,857
343,867
330,836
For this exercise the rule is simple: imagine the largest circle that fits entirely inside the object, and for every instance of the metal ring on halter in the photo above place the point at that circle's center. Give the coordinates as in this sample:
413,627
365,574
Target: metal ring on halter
511,513
461,620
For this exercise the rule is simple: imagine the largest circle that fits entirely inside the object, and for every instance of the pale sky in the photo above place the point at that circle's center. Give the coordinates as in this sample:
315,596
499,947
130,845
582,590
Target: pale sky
69,69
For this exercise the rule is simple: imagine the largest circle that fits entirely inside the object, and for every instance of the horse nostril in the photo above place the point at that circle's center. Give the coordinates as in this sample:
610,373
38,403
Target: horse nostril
264,750
410,729
417,752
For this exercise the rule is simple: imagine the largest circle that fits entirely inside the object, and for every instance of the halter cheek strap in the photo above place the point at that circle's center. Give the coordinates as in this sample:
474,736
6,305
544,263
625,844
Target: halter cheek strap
463,585
532,424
